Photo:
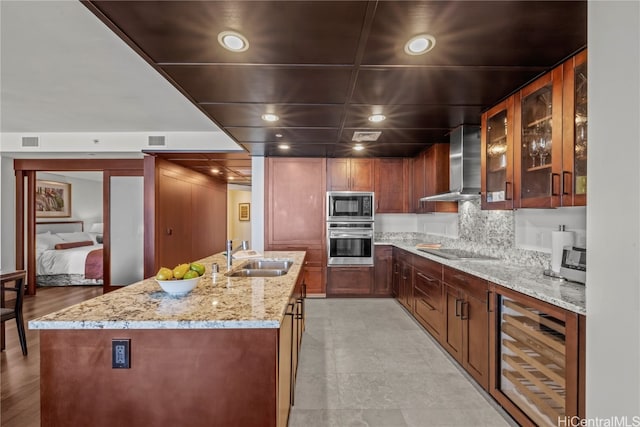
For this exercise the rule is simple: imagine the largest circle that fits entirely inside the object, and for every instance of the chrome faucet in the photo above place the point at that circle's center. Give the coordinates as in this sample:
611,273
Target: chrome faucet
230,251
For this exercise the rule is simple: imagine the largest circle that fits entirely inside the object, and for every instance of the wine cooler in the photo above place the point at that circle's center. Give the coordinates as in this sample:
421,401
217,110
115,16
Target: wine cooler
537,364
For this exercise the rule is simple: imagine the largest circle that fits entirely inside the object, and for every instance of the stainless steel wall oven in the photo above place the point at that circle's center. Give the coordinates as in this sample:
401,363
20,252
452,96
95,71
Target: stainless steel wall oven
350,243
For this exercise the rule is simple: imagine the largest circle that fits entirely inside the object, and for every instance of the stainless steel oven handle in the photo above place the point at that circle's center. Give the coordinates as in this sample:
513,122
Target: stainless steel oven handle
348,235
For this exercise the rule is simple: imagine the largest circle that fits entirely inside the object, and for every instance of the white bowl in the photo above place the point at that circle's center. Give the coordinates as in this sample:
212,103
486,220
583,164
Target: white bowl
178,287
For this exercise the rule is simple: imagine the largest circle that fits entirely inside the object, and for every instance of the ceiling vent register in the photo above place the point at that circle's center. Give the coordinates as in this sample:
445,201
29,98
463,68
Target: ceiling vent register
30,141
157,141
366,136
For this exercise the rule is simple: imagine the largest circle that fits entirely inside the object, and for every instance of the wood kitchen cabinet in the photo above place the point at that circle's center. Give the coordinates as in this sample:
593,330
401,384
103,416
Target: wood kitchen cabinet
405,281
497,156
285,360
466,335
538,375
431,177
395,274
574,140
350,174
383,271
349,281
295,212
534,144
392,185
538,142
428,295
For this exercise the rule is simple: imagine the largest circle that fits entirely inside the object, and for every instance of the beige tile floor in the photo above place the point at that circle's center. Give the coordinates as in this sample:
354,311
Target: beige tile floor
367,362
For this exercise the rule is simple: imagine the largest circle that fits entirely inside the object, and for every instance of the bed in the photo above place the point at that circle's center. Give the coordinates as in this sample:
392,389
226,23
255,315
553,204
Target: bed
66,255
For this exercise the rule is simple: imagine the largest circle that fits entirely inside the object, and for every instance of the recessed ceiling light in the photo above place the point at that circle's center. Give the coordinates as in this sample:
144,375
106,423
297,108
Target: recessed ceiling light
233,41
214,170
278,135
270,117
231,178
358,147
376,118
420,44
283,146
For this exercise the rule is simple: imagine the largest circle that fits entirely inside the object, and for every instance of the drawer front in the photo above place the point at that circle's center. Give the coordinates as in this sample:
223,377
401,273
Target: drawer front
461,280
428,289
429,316
428,267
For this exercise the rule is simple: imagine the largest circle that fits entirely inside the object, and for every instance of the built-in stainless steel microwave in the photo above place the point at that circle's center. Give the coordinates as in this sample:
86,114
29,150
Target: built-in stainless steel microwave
350,206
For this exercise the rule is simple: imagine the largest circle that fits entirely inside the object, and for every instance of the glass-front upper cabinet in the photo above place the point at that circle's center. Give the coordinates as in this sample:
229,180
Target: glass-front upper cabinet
538,181
574,175
497,156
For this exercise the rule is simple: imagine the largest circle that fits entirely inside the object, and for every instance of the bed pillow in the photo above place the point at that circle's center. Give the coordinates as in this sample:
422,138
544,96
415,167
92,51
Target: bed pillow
78,236
70,245
46,241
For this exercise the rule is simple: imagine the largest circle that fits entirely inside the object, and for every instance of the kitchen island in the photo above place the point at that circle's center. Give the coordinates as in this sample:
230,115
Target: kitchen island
224,354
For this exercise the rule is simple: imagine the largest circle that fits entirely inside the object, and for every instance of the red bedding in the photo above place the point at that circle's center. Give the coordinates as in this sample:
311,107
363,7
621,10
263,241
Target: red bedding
93,265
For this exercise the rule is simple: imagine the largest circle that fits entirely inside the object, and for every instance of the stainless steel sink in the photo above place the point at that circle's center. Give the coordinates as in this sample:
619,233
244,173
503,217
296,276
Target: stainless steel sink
268,264
252,272
262,268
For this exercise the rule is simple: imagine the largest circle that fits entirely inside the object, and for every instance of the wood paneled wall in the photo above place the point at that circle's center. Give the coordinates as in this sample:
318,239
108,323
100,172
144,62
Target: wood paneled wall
186,212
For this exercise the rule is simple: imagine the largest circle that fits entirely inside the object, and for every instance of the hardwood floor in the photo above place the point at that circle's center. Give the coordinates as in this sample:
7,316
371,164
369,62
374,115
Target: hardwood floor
20,375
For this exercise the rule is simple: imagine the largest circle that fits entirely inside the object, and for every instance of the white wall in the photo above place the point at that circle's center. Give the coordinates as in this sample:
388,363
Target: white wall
533,227
7,214
613,211
126,220
395,223
238,230
258,183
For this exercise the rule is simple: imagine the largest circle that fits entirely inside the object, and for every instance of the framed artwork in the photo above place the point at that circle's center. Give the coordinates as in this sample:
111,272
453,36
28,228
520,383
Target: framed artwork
244,211
53,199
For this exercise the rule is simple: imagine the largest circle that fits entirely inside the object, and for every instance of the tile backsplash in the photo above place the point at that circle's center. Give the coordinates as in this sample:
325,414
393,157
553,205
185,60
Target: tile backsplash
522,236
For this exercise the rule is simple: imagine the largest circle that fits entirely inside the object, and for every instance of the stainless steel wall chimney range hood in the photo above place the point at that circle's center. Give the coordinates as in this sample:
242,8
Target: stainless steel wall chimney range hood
464,166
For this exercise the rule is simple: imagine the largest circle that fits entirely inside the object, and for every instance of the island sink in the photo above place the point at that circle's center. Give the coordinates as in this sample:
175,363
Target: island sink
269,264
262,268
253,272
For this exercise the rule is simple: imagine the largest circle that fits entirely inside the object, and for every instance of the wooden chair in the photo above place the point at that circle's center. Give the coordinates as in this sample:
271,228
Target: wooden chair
18,278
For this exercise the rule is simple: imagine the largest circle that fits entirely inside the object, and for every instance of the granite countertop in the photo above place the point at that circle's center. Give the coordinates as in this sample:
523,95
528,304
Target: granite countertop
227,302
526,280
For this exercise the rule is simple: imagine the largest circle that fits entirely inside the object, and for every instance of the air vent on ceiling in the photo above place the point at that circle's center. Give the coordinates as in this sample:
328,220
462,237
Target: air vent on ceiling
30,141
157,141
359,136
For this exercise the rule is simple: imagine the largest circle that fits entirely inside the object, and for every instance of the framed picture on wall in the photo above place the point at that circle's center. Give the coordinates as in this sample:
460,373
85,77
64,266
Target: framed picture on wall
53,199
244,211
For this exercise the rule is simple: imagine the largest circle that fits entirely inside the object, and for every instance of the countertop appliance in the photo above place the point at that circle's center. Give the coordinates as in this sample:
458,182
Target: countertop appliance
350,243
350,206
457,254
574,264
464,165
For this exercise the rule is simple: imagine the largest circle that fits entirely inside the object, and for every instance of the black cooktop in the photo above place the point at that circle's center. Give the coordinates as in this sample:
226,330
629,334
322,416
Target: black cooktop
461,254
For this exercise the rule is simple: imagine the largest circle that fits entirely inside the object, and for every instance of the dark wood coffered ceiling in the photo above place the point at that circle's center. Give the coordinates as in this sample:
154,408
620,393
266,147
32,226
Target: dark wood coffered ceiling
323,67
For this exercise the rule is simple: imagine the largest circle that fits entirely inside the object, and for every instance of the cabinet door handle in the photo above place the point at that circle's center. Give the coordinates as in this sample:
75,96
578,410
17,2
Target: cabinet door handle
169,231
460,277
564,182
290,307
428,279
553,181
507,184
458,307
429,306
465,309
